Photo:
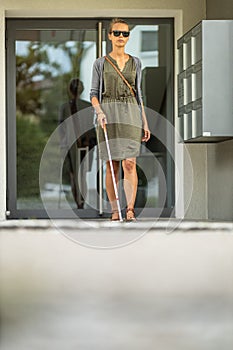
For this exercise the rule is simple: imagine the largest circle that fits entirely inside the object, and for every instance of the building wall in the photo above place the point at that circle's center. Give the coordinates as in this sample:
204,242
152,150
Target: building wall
212,196
197,205
220,180
220,155
2,118
219,9
193,11
188,13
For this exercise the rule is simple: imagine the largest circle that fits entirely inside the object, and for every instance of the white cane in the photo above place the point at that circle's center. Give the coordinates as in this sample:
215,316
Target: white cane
112,172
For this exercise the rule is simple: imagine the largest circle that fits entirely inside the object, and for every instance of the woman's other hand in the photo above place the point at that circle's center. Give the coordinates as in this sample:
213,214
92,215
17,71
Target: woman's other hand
146,135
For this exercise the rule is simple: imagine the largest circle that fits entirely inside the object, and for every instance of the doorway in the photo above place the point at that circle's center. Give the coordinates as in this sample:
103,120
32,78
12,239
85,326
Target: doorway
47,60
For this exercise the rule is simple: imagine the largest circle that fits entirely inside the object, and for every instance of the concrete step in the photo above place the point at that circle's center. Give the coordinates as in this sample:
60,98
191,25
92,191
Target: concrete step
168,291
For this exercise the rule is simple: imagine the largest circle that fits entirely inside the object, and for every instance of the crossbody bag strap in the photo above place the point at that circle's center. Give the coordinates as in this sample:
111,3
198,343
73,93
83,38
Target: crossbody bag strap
122,76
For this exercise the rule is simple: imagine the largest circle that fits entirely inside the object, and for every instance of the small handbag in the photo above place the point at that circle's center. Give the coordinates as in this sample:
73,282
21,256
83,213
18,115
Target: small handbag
122,76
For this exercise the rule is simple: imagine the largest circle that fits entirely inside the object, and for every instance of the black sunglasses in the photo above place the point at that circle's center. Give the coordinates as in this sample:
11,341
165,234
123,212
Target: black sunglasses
118,33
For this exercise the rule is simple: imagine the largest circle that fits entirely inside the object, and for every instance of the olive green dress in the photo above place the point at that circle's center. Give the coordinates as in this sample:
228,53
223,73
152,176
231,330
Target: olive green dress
124,123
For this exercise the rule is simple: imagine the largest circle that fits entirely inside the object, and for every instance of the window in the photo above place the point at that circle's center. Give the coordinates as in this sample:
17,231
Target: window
149,41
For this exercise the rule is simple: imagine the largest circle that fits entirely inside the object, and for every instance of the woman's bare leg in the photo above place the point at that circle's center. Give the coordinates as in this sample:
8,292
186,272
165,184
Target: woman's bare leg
130,184
110,187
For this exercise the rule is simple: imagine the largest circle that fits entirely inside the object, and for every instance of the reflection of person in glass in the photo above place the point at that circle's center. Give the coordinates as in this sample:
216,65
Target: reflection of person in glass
76,153
117,108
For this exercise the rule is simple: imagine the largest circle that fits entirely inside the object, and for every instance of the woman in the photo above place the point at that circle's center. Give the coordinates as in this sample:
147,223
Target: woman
116,104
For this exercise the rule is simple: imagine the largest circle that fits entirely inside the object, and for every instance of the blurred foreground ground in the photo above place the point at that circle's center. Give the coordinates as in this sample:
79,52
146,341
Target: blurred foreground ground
165,291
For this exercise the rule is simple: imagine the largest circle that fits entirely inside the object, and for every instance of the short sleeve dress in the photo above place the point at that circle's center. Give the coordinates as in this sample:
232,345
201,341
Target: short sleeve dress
124,122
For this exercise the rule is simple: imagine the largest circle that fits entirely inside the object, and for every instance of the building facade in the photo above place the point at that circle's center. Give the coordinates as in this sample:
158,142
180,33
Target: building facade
197,177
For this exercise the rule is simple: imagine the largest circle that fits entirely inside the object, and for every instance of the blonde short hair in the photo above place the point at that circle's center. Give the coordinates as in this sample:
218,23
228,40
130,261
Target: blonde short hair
114,21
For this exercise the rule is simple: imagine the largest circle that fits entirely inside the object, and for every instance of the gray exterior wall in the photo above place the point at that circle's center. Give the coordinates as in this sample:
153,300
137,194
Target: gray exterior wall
219,9
220,155
220,180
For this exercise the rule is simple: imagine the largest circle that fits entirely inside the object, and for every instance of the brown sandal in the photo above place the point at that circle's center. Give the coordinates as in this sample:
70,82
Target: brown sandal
117,217
130,217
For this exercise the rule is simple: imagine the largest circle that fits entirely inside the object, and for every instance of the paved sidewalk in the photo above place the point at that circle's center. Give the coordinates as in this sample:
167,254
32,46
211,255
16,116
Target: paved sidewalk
157,289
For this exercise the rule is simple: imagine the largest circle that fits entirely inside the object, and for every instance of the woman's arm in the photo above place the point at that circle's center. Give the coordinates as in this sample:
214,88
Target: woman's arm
145,126
146,136
95,92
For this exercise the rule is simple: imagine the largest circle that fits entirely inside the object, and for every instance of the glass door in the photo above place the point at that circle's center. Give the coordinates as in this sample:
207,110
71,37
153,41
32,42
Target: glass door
53,163
152,41
49,76
156,51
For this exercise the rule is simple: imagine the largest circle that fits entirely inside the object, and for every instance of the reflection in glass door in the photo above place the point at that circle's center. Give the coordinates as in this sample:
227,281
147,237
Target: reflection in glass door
51,81
49,76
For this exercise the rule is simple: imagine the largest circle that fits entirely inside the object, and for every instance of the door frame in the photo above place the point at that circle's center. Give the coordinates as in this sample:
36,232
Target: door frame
12,211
